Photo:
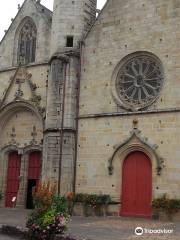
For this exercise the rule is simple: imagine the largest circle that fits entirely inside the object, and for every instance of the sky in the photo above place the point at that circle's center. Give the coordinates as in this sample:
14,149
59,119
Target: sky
9,8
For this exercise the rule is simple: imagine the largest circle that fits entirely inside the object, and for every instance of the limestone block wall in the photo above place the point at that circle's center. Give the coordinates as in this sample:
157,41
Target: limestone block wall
71,18
39,76
98,139
153,26
21,120
19,127
60,124
52,166
22,131
9,44
125,27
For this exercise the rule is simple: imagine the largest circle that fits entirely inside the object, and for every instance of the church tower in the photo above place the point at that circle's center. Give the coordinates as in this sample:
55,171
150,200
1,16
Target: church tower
71,21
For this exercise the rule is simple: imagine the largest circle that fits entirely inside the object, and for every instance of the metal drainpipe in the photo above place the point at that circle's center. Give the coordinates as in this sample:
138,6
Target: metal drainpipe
61,130
77,118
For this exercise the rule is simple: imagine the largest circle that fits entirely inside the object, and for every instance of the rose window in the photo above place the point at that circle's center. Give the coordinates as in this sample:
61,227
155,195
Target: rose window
139,81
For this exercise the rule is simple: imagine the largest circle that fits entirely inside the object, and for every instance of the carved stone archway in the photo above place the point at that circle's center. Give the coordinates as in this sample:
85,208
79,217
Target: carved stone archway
136,142
23,139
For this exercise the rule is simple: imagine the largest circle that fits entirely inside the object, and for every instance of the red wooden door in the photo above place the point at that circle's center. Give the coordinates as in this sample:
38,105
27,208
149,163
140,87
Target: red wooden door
136,185
13,173
34,165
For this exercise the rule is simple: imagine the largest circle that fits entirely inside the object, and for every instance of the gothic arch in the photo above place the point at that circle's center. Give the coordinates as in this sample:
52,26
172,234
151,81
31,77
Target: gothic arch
31,148
25,42
22,125
136,143
11,108
26,138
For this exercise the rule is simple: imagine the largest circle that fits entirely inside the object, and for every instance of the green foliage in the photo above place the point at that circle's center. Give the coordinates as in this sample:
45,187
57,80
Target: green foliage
93,199
50,215
60,204
166,204
80,197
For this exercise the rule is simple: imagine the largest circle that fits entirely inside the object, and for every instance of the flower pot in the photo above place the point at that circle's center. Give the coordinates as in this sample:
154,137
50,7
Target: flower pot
88,211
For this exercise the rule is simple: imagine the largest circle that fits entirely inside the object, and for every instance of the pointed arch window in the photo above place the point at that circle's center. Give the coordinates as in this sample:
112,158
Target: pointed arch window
27,43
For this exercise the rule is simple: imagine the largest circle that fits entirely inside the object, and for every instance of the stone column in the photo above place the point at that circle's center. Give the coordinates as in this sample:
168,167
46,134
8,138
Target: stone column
60,127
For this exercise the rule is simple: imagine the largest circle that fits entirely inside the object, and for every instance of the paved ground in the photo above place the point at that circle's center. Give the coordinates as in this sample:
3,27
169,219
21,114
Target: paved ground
109,228
3,237
120,228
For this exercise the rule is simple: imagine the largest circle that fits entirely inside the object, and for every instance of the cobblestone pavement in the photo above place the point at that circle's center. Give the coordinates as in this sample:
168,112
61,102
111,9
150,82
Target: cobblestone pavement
109,228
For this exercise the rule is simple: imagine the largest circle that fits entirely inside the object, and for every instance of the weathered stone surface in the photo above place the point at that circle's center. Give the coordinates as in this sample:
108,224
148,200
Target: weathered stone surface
125,27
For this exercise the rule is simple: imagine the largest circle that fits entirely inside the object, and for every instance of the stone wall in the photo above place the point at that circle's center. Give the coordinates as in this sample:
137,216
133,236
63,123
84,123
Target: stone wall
125,27
71,18
60,125
9,44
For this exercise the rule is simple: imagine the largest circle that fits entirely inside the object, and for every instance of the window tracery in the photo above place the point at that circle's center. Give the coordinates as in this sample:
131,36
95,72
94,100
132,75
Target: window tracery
27,43
139,81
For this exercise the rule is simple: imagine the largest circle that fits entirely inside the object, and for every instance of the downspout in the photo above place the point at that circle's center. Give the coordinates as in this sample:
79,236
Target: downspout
77,116
62,129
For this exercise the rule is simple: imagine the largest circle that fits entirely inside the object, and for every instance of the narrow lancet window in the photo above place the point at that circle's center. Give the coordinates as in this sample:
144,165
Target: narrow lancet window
27,43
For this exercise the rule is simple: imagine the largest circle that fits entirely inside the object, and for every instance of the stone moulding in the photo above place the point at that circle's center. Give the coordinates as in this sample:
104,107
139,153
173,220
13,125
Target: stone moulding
35,99
21,150
64,55
136,133
20,104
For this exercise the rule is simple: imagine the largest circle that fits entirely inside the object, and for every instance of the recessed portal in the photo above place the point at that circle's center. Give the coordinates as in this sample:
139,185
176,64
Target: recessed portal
13,174
136,185
33,176
31,184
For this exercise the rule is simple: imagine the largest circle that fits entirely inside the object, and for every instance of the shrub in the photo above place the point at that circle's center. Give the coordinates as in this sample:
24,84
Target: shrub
60,204
43,195
98,202
50,215
93,199
166,204
80,197
50,224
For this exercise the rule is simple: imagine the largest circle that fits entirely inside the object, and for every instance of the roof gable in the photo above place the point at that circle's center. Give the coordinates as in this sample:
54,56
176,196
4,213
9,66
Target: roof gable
42,10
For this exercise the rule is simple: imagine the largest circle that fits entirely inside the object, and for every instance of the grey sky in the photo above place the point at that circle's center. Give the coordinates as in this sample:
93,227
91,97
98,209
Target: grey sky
8,10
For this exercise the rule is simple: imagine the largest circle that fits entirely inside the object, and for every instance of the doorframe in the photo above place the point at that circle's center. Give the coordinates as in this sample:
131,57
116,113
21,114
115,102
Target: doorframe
122,155
118,159
4,165
27,151
24,152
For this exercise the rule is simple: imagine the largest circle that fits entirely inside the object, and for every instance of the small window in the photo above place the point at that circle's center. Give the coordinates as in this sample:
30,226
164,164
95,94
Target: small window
69,41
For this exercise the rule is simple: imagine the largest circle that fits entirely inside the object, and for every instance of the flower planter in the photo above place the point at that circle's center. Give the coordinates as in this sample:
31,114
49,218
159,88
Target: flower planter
85,210
88,211
103,210
162,215
176,216
78,209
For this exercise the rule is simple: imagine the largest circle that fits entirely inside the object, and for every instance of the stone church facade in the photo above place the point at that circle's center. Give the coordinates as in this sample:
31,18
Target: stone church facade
92,103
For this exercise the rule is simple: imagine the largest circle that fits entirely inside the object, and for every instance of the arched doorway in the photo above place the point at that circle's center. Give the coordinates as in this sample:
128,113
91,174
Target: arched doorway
136,185
13,174
34,170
